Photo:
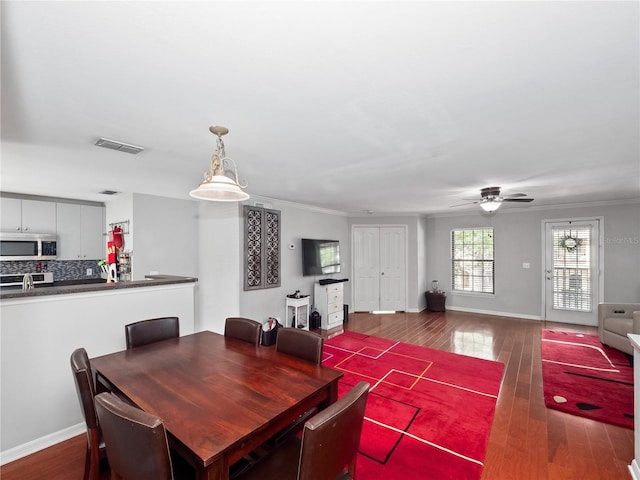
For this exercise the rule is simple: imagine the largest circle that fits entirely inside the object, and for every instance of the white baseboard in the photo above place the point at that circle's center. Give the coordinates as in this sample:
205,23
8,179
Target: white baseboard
634,468
497,314
41,443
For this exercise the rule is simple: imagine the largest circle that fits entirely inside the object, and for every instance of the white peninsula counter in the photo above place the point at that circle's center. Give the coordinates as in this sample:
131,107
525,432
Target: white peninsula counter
40,328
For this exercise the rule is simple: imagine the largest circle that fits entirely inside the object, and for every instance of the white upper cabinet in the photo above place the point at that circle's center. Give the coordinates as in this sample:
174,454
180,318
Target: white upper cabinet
27,216
80,232
93,242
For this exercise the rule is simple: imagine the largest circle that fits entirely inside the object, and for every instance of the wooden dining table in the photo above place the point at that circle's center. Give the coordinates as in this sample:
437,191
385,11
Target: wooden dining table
220,398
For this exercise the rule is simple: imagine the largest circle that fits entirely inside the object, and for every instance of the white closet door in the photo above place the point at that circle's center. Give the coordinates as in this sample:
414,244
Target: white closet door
379,258
366,261
392,269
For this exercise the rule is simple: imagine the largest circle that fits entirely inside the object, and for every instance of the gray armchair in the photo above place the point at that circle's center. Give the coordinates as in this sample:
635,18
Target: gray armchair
615,321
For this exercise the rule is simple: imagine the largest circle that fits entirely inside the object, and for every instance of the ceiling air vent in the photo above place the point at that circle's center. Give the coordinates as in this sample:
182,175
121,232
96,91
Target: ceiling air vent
120,146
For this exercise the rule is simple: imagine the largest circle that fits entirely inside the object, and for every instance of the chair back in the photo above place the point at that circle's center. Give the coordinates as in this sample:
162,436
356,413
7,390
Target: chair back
330,439
85,387
136,441
86,390
243,329
152,330
300,343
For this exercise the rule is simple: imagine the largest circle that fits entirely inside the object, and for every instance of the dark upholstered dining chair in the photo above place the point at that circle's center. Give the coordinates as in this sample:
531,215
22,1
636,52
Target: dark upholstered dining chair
243,329
328,448
136,441
307,346
300,343
86,389
153,330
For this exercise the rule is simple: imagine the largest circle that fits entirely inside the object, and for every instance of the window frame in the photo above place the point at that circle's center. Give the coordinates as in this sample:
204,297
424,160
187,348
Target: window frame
482,265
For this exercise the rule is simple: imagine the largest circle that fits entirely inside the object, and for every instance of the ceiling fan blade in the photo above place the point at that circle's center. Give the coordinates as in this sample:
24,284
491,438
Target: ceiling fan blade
515,195
517,199
462,204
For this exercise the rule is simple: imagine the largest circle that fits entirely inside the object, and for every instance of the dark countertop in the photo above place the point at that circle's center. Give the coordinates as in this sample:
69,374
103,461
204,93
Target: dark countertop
93,286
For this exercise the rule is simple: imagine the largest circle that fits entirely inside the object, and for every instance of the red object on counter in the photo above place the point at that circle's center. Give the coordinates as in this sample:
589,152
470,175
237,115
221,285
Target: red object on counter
118,238
111,252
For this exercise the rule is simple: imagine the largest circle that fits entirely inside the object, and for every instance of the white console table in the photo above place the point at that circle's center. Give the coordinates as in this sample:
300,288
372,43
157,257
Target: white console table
634,468
297,314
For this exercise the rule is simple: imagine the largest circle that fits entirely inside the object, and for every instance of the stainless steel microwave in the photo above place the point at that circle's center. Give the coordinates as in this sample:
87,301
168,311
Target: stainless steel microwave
28,246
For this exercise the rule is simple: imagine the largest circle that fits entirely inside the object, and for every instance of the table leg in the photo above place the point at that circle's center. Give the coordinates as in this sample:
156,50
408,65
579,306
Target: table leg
218,470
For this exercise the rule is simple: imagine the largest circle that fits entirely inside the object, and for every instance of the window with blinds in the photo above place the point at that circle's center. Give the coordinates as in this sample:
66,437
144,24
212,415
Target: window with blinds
472,260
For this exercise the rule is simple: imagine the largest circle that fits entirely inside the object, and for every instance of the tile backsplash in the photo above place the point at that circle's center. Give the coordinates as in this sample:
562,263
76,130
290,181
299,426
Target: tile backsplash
62,270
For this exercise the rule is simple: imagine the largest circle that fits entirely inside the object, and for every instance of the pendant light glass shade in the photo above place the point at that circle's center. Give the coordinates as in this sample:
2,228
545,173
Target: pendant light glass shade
218,185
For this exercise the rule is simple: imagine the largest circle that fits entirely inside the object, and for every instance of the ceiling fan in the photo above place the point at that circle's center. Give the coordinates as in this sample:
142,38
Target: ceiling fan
491,199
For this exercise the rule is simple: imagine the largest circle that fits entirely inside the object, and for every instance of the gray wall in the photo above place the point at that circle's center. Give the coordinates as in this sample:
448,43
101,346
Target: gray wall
209,237
220,256
166,236
518,239
297,222
163,233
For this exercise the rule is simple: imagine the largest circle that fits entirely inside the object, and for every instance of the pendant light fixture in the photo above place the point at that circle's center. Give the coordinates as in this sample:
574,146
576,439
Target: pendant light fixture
218,185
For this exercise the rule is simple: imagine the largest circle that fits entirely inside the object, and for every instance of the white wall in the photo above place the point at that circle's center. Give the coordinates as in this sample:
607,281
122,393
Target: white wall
119,208
163,233
518,239
219,253
166,236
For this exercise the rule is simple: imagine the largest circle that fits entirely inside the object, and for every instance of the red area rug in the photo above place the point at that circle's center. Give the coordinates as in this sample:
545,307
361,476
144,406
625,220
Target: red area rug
429,413
583,377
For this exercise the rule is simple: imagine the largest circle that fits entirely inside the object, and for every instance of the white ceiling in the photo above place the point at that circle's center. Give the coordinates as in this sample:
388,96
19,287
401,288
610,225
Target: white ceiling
397,107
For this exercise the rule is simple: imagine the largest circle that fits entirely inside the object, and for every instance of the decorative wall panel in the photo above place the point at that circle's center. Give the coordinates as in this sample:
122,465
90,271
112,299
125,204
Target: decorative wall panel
262,248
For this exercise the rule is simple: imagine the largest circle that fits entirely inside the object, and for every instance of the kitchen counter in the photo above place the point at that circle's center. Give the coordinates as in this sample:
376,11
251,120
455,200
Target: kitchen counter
151,281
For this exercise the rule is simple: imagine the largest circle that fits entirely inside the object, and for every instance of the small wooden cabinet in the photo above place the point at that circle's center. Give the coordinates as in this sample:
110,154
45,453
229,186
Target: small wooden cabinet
435,300
329,301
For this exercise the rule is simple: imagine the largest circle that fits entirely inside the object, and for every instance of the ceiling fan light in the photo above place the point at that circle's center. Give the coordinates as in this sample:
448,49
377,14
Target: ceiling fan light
490,205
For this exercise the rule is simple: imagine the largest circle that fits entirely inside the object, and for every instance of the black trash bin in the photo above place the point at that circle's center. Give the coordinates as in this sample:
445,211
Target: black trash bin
346,313
269,337
314,320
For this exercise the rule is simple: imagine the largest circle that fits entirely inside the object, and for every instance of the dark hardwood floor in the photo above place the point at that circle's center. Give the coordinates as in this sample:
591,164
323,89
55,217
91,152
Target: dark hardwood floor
527,441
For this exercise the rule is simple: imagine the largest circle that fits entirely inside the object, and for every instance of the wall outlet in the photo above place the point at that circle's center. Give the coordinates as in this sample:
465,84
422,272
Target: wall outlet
526,265
89,271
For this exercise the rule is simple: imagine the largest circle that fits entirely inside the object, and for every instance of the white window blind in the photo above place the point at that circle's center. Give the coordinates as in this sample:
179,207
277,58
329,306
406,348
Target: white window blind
472,260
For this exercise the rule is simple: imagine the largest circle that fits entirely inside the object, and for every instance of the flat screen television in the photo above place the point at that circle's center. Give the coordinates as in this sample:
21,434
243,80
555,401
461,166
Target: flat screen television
320,257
